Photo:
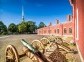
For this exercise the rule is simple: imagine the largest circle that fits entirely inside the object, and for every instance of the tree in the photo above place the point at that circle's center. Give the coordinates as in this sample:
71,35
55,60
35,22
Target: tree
41,25
31,27
3,28
12,28
22,27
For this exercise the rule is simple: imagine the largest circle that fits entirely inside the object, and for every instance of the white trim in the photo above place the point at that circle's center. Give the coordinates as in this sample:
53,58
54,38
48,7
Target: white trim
77,26
75,29
82,60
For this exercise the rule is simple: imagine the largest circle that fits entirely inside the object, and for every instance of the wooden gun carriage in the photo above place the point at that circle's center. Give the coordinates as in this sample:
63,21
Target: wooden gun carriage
50,49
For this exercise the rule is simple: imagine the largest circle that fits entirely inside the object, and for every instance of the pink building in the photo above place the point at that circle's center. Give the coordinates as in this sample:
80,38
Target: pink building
78,23
60,29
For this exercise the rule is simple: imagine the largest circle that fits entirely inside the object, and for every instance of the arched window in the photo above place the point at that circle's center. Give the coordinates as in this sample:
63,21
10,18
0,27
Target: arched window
65,31
70,30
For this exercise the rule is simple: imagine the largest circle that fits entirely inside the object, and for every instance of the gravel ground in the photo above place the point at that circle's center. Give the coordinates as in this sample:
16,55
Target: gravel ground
15,40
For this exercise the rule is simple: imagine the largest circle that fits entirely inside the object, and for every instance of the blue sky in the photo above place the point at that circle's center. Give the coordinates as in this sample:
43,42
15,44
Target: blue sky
35,10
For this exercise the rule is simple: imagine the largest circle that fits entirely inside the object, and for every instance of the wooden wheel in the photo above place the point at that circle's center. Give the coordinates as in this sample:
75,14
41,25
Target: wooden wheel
49,44
38,45
51,38
45,41
58,39
11,54
50,48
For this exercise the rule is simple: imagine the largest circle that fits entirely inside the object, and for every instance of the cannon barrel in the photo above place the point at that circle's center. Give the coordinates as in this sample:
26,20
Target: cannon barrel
28,45
34,51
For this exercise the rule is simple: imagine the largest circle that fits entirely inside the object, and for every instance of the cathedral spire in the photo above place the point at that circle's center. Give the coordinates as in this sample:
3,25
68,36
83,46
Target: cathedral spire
22,13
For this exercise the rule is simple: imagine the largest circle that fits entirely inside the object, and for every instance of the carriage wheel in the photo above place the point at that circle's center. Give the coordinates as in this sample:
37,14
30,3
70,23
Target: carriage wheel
45,41
50,48
58,40
51,38
49,44
38,45
11,54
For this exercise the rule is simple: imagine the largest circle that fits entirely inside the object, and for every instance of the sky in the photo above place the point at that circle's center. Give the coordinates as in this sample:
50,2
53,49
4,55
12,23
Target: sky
34,10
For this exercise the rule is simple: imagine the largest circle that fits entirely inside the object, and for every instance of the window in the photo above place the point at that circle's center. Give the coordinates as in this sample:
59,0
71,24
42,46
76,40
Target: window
70,30
58,31
49,31
55,30
65,31
44,31
39,31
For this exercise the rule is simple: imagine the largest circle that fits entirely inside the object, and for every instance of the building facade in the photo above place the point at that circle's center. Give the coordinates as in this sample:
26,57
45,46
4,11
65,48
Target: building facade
78,19
60,29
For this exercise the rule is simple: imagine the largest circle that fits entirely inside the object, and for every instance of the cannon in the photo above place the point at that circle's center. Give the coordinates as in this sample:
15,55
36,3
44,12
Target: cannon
44,50
12,54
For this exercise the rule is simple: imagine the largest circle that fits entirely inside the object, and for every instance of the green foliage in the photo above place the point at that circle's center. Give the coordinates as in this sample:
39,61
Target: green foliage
3,28
31,27
41,25
22,27
12,28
